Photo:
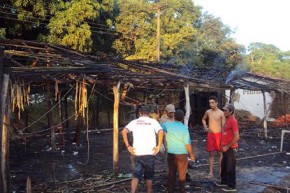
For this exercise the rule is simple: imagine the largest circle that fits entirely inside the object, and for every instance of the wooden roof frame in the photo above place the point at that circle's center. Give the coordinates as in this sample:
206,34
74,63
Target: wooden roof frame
33,61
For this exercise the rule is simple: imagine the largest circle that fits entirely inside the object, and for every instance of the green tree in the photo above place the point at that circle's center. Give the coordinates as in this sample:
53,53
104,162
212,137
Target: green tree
79,24
137,27
268,60
23,19
187,37
69,25
103,29
215,42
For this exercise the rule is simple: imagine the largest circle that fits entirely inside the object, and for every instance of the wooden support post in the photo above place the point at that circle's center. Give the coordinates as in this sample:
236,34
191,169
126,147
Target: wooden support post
232,92
116,128
28,185
265,116
1,67
66,112
187,105
285,108
5,121
49,116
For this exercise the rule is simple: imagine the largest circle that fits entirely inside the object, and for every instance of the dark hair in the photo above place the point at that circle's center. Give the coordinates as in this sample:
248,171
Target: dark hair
179,115
145,110
230,107
213,97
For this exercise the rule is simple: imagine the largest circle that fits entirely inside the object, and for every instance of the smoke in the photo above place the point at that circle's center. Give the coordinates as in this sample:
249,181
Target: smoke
239,71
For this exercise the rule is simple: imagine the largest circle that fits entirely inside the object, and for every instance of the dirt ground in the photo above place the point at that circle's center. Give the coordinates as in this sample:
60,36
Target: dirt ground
260,165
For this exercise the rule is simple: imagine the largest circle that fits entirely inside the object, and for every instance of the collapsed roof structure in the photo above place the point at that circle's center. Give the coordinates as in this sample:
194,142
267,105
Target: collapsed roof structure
38,62
35,62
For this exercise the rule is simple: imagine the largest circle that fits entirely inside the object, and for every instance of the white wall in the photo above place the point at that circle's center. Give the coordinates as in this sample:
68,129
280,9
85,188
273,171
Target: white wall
251,101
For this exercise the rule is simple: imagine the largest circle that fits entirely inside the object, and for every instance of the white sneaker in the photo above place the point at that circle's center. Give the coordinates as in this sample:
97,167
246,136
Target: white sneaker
229,189
220,184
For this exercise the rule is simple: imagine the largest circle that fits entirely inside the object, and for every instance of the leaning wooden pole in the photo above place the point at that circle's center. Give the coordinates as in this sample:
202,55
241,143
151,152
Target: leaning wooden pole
187,105
116,128
5,121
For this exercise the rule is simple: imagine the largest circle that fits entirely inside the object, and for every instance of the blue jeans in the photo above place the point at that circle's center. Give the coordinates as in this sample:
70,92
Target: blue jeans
144,164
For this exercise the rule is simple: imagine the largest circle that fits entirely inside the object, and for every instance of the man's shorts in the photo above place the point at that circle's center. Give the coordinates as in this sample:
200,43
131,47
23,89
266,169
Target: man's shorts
143,163
213,142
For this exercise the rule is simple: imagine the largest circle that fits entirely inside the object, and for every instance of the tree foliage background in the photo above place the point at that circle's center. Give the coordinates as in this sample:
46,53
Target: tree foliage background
127,29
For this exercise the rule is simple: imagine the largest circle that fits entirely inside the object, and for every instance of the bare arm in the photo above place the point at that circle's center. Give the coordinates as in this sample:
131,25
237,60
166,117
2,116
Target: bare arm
235,140
160,140
189,150
125,131
223,120
160,137
203,120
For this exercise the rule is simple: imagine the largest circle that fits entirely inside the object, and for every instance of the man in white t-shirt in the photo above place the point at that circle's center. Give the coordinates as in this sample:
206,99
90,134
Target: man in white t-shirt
144,147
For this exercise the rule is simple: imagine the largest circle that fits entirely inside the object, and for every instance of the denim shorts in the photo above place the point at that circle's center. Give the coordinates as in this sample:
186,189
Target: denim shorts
143,164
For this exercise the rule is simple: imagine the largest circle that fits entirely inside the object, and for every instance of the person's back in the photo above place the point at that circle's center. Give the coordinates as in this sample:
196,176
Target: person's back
179,145
144,148
144,129
177,136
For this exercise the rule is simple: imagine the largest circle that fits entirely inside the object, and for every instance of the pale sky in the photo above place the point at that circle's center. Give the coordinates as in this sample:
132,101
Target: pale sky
265,21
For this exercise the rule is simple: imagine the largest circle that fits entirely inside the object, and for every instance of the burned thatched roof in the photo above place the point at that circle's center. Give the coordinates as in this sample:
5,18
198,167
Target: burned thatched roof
38,62
250,81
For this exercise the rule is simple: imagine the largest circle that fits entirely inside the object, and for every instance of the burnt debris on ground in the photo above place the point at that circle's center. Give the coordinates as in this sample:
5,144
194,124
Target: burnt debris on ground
261,167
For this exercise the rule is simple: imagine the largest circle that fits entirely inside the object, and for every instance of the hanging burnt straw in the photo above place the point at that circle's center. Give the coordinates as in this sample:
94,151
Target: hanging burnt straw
126,89
19,93
81,99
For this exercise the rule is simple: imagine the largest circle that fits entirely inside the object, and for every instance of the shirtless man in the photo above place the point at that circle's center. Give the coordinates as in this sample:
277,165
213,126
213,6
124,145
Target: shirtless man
216,120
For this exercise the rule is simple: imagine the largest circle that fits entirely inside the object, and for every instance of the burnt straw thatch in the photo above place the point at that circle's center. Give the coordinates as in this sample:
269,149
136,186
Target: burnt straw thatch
38,62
